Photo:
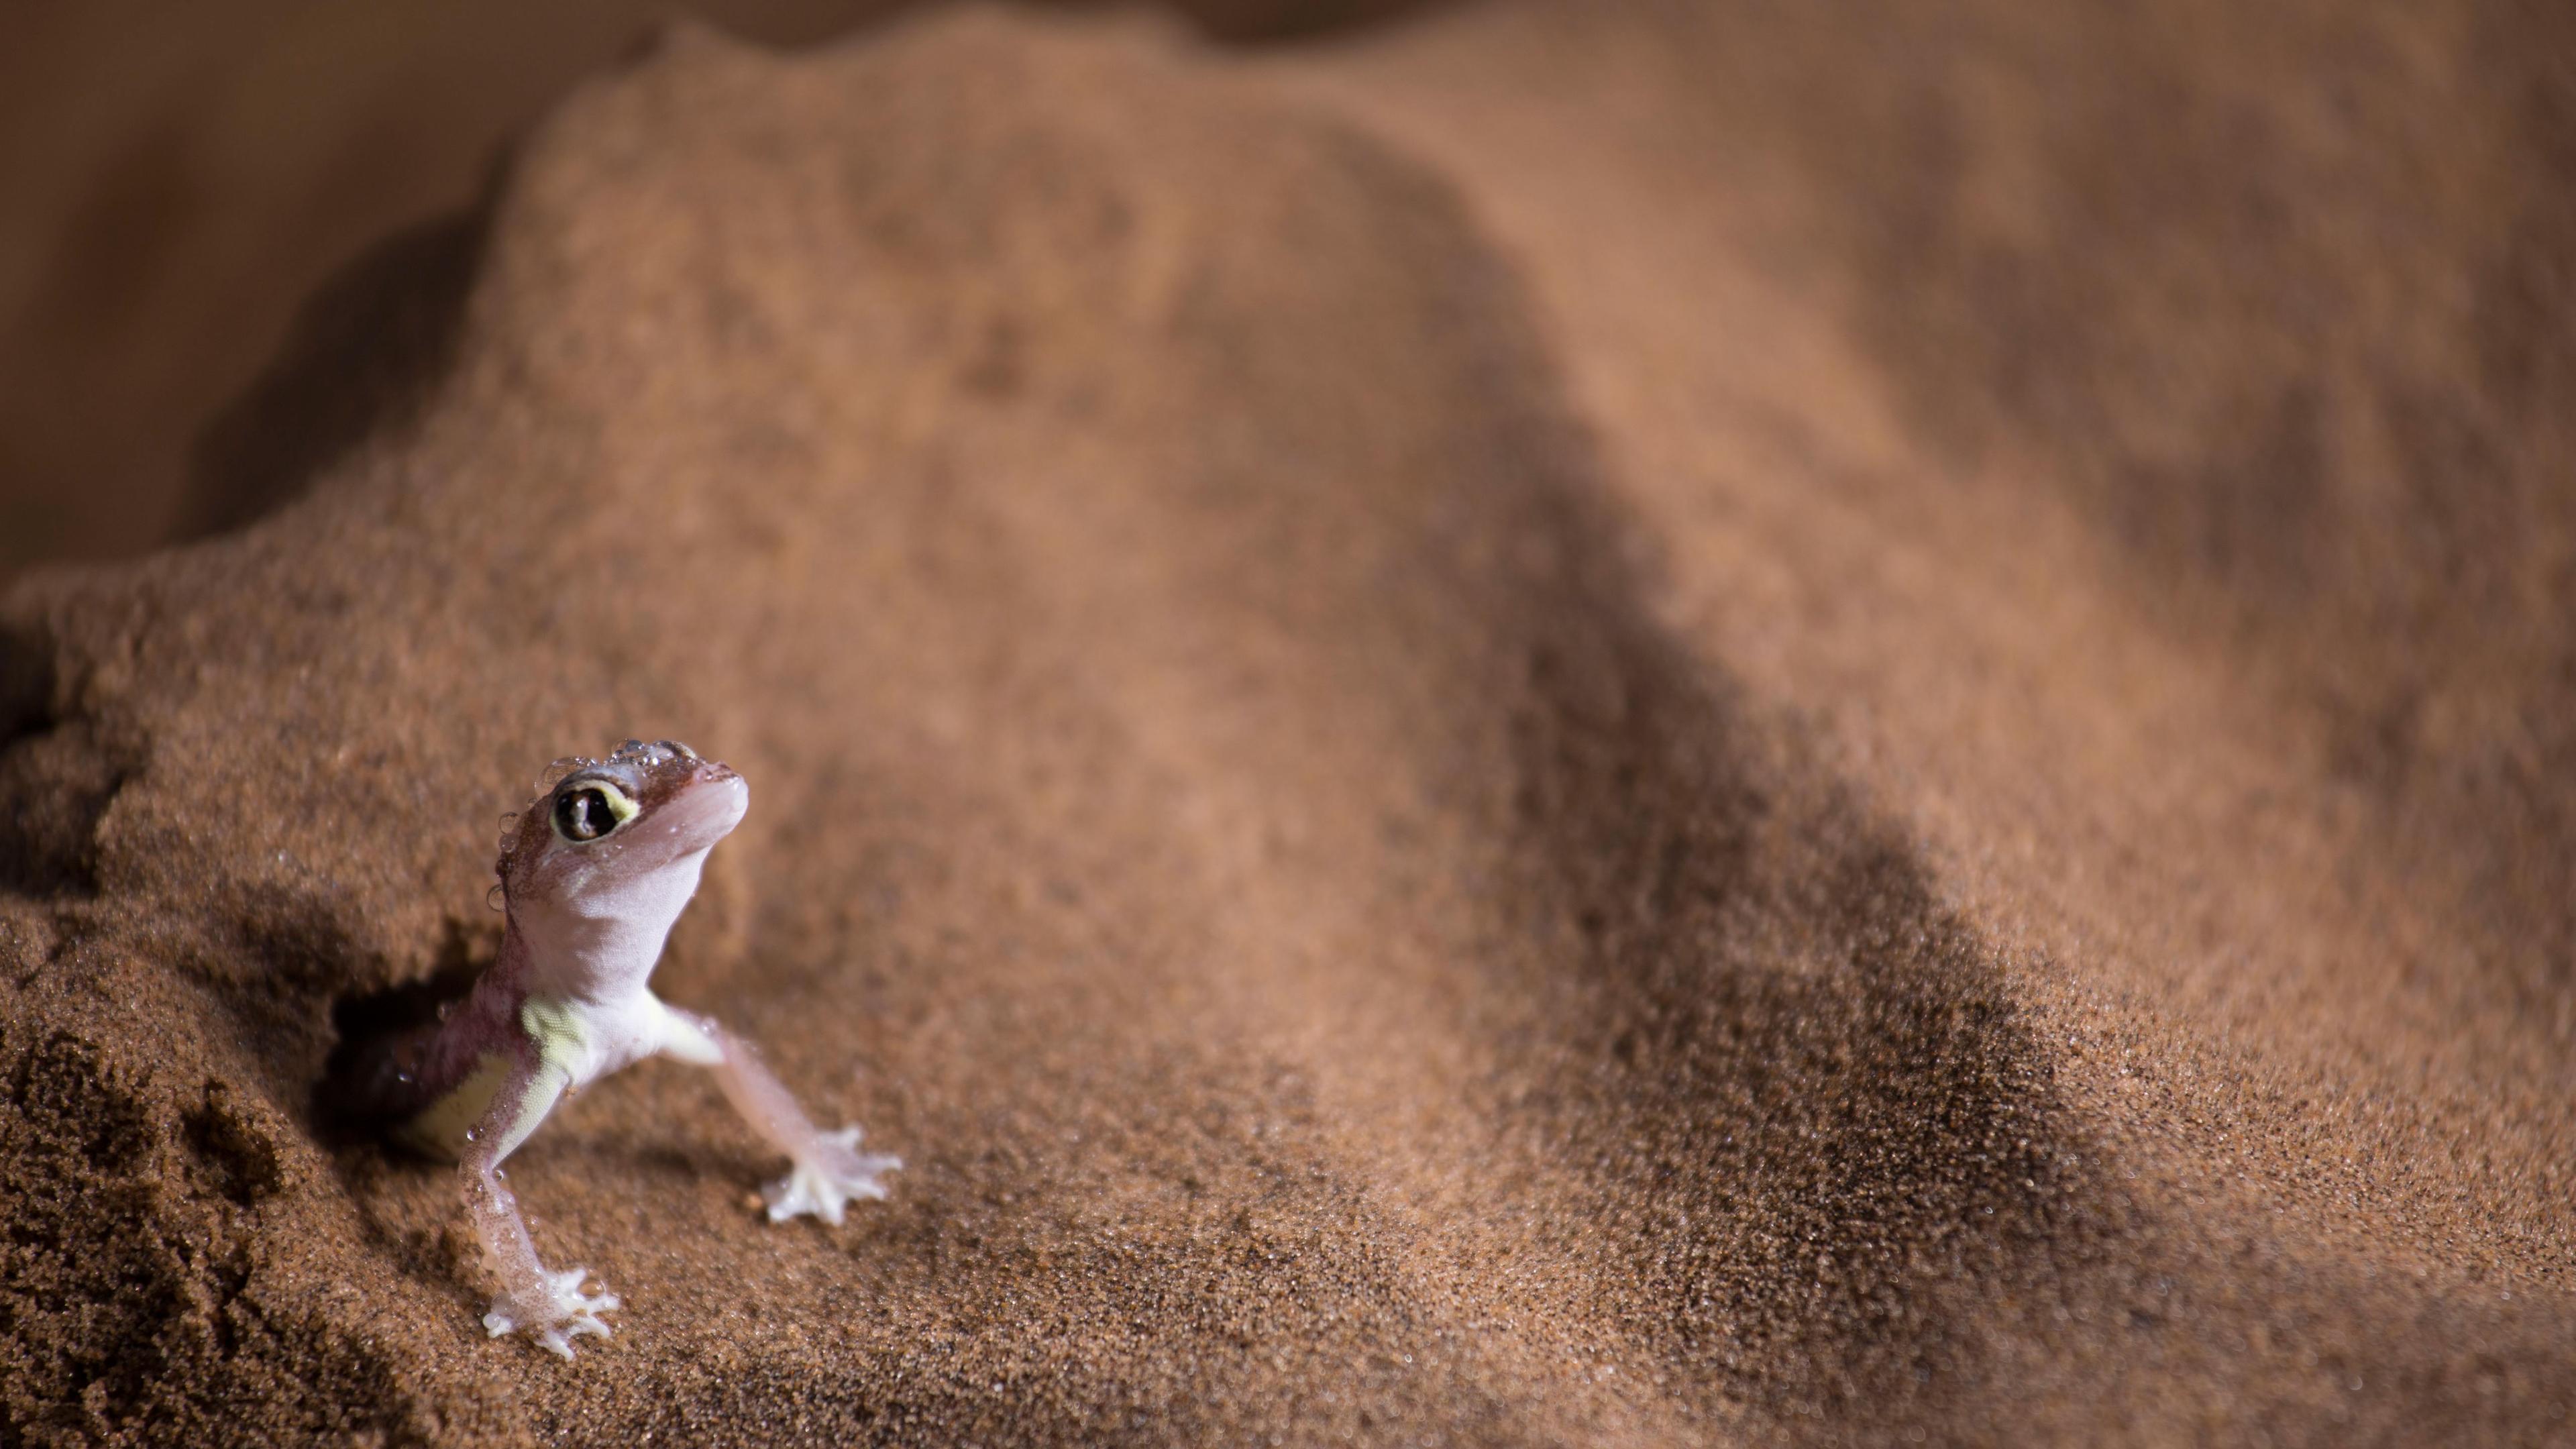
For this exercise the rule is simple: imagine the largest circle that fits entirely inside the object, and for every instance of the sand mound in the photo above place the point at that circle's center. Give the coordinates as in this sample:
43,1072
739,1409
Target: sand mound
1433,786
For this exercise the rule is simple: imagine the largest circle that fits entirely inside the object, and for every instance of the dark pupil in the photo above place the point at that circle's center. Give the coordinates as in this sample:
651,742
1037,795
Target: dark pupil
584,815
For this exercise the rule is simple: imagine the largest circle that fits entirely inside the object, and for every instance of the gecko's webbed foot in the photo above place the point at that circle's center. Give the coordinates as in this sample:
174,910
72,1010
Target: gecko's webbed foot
827,1176
562,1314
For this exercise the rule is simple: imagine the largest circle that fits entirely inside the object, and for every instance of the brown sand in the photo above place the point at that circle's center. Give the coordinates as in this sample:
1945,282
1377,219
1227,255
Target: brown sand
1577,724
175,179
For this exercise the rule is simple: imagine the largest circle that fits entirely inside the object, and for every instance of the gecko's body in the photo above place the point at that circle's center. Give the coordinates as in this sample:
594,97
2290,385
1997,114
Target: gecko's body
594,875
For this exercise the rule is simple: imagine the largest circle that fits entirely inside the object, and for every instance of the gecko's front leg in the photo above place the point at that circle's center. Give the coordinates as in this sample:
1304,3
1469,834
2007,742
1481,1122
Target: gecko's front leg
827,1168
535,1300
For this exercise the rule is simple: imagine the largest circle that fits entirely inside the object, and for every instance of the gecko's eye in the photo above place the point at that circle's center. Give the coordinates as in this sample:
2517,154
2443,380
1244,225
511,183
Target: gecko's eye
591,809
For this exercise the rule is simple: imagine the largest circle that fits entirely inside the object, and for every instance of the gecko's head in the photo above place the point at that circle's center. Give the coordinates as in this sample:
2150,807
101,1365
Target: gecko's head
611,834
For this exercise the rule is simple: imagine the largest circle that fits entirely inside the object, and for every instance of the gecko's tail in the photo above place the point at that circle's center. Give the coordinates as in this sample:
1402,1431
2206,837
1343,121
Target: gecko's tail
380,1075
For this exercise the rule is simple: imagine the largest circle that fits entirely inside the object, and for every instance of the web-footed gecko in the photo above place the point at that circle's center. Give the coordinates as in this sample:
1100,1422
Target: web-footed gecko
593,874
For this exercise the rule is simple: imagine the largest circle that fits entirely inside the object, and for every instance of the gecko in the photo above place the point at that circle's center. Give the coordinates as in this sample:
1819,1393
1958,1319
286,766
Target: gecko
592,876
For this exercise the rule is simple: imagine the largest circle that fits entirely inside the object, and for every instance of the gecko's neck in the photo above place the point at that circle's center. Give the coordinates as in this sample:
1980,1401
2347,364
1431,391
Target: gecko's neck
603,945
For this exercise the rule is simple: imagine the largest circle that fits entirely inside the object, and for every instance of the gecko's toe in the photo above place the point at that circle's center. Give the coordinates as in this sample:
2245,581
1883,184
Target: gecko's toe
824,1182
563,1314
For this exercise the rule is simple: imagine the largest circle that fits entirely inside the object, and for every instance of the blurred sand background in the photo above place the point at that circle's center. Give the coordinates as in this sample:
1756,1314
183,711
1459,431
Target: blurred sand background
176,180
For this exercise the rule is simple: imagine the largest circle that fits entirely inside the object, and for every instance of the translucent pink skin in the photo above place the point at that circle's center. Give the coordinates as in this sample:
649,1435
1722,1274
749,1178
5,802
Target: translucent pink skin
567,1002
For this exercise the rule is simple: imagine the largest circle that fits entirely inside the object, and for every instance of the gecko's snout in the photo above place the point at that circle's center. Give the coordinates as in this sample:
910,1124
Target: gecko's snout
716,778
714,793
691,797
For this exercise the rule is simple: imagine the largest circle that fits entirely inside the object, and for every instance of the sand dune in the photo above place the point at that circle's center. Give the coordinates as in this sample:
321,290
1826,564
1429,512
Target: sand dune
1564,725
